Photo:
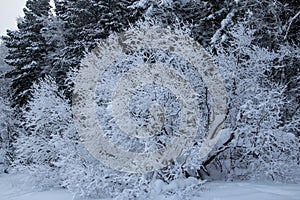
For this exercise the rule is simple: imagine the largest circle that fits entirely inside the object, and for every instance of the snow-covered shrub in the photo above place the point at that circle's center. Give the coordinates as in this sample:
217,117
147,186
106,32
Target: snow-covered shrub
261,148
50,149
46,124
86,176
142,101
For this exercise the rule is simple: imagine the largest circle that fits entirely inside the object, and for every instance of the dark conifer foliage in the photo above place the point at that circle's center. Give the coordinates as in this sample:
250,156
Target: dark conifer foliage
27,49
202,17
85,23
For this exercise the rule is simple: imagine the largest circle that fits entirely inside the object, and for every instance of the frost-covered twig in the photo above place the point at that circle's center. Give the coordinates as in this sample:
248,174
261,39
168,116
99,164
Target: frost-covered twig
291,21
225,22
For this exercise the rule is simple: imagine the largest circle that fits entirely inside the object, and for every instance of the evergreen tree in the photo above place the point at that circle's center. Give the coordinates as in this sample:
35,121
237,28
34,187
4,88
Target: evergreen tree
4,68
6,153
6,122
202,17
85,23
27,49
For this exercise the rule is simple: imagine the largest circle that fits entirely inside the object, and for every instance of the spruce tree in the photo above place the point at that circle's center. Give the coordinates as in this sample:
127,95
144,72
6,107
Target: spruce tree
27,49
85,23
6,123
202,17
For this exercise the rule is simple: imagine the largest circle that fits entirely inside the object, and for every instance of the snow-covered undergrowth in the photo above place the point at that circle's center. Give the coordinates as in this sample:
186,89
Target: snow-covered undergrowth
256,145
19,187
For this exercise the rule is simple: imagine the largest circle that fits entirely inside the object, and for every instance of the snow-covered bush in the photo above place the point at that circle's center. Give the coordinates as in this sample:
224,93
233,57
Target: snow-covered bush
261,147
46,124
86,176
50,149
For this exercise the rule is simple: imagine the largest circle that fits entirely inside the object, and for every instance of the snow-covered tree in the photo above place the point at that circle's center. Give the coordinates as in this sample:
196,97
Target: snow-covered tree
53,34
27,49
4,69
261,147
6,124
87,176
202,17
46,124
275,22
84,23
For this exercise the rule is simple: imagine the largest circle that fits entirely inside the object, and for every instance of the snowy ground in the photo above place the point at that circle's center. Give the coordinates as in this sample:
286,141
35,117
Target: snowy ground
16,187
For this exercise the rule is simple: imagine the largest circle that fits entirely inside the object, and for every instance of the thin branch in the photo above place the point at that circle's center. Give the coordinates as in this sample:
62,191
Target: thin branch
291,21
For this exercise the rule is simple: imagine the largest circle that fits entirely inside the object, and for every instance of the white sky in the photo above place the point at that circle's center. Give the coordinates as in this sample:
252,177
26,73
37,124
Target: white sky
10,10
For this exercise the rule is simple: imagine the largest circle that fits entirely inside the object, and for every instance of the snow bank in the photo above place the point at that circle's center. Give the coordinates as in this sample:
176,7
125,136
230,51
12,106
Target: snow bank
19,187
